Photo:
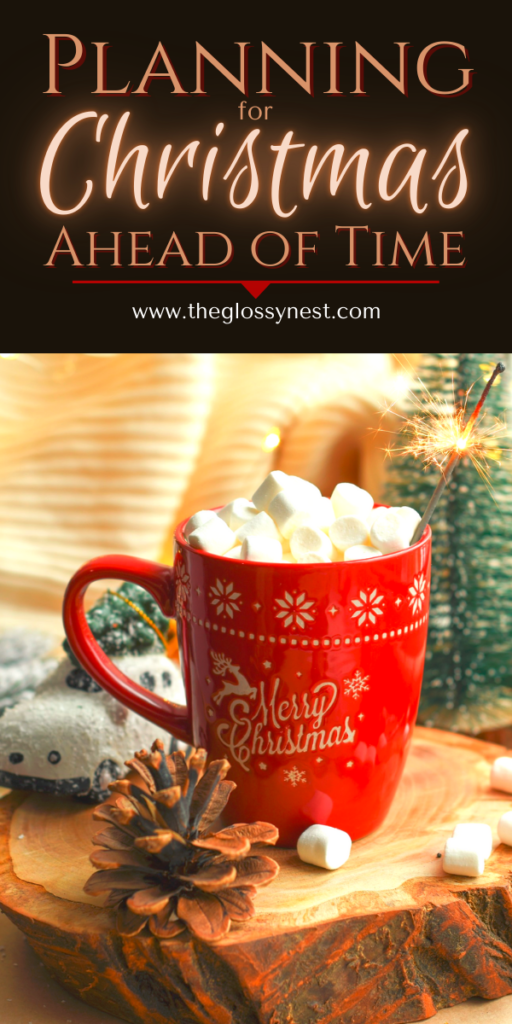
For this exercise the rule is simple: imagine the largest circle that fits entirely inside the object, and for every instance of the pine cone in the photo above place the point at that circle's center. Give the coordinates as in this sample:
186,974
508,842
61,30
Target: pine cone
158,861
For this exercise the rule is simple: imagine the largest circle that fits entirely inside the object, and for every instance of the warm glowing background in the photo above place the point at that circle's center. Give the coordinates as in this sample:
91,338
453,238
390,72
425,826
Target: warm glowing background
106,453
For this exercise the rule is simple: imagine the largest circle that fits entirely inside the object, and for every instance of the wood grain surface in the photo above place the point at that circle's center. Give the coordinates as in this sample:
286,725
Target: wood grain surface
29,994
388,937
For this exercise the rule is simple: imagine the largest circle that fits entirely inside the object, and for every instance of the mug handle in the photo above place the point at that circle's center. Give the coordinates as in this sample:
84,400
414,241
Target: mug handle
159,581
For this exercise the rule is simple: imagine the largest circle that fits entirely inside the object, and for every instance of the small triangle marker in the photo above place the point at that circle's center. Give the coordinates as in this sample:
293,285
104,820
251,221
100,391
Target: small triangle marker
255,287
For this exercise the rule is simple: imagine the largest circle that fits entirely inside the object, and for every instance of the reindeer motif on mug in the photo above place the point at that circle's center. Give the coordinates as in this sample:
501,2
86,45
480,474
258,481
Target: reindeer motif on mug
241,687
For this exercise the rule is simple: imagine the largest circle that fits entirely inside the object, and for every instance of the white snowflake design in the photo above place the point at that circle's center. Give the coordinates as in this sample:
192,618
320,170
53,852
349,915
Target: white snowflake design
224,598
418,594
356,686
294,775
366,606
182,584
294,609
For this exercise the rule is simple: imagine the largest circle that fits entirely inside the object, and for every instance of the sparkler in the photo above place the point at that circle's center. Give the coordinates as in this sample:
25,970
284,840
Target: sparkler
448,440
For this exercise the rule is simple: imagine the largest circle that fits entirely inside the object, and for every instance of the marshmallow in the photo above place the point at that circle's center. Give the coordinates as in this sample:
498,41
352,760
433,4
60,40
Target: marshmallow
261,525
501,774
238,512
476,835
324,846
308,540
259,548
324,514
358,551
390,532
372,516
291,509
234,553
349,500
462,857
213,536
198,519
410,516
288,557
347,531
272,484
313,556
304,487
505,828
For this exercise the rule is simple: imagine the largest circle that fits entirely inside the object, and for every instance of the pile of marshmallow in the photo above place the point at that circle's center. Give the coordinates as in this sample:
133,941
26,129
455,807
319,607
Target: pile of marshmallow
288,520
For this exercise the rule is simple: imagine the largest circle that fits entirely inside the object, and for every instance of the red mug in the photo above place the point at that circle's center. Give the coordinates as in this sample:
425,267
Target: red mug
306,677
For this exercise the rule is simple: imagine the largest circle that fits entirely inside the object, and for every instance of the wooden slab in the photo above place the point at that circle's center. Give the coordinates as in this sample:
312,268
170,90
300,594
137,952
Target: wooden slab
388,937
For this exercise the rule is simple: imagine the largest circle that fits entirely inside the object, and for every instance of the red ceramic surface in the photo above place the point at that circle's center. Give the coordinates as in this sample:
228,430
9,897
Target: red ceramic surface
306,677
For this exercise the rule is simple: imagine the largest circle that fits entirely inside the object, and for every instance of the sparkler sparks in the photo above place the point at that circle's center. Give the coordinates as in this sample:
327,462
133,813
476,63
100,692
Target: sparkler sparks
438,430
441,434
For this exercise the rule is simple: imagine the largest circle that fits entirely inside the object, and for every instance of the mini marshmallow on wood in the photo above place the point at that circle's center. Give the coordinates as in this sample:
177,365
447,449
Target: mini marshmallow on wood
463,857
501,774
213,536
476,834
505,828
324,846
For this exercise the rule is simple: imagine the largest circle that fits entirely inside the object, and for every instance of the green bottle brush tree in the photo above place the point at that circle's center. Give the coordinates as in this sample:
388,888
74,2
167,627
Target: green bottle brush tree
467,685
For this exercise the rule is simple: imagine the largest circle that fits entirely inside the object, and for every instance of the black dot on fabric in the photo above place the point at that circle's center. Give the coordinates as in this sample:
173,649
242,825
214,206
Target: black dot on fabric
148,680
54,757
15,758
77,679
